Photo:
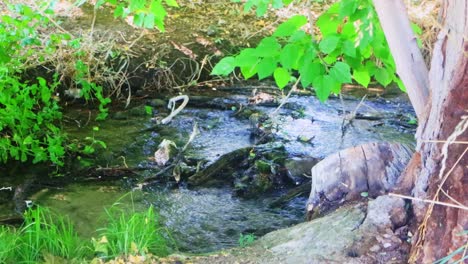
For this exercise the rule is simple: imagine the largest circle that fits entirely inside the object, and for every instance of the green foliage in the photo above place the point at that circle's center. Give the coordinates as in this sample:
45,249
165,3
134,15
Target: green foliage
262,6
47,233
246,240
45,236
131,233
350,47
29,110
146,13
8,241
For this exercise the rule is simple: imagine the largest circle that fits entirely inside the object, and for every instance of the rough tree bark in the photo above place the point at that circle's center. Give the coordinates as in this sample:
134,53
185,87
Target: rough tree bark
439,170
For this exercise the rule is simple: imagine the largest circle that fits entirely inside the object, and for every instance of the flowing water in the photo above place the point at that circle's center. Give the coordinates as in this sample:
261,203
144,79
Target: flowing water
207,219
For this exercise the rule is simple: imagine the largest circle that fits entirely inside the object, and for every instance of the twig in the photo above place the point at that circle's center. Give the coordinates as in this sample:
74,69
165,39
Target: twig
294,88
429,201
445,141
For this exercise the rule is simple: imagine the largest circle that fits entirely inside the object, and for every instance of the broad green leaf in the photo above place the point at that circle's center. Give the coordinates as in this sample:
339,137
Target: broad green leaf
282,77
262,7
149,21
371,67
119,11
348,31
248,71
266,68
341,72
330,59
290,56
329,44
349,49
321,89
247,57
362,77
172,3
290,26
400,83
310,71
268,47
139,19
332,84
348,7
382,76
327,24
277,4
224,67
4,57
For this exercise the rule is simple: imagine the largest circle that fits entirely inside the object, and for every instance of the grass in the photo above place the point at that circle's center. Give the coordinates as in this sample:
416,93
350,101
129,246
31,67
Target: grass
133,233
8,241
48,237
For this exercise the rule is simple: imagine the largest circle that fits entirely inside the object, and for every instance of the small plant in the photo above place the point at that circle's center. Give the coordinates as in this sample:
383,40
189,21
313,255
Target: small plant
130,233
8,240
47,233
246,240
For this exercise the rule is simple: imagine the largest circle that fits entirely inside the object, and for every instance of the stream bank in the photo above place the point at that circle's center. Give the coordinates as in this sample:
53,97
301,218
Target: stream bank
245,185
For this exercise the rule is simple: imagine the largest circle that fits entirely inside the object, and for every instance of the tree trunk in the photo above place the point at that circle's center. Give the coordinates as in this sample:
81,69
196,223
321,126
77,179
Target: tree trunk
409,61
440,170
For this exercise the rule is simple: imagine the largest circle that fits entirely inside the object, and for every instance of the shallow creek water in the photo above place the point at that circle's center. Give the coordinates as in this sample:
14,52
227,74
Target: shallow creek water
207,219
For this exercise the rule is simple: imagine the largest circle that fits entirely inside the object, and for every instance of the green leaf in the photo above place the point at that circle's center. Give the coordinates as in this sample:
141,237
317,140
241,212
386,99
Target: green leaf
247,57
327,24
266,67
119,11
371,67
341,72
139,19
400,83
290,56
148,110
224,67
268,47
4,57
262,7
329,44
321,89
348,7
290,26
382,76
149,21
349,49
248,71
362,77
332,84
282,77
309,72
172,3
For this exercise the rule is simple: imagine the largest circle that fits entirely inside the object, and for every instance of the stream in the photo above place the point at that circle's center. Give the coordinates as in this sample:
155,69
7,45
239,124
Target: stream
207,218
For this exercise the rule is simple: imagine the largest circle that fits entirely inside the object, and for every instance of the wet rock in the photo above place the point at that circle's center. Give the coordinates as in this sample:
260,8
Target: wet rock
298,167
252,170
324,240
157,103
386,212
300,191
372,169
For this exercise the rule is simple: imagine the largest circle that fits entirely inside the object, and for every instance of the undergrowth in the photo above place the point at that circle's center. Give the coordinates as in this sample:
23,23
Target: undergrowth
51,238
